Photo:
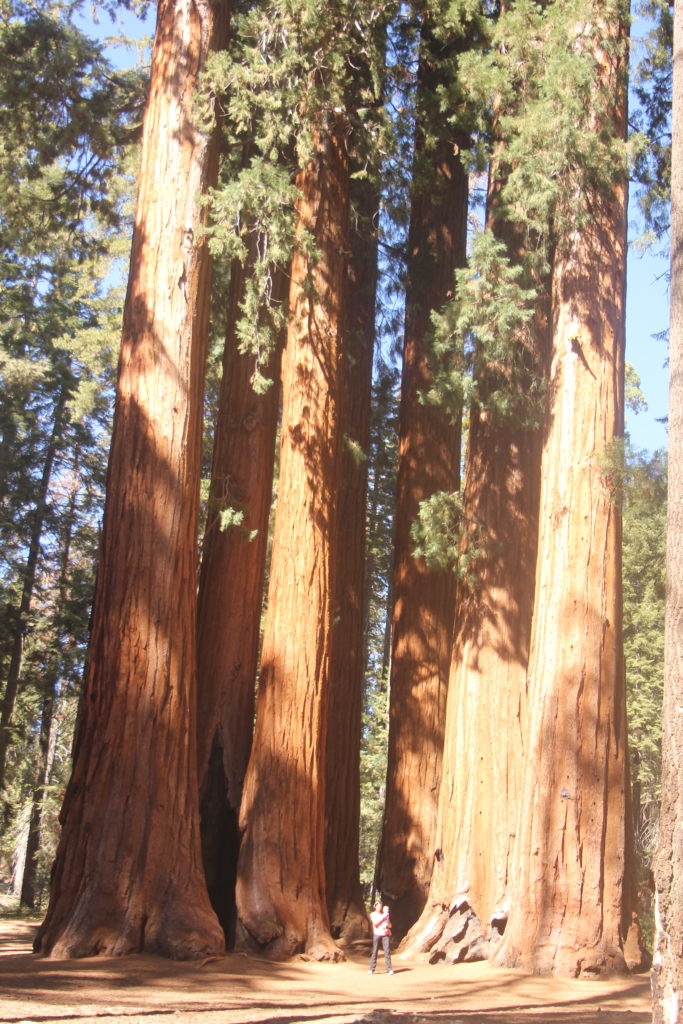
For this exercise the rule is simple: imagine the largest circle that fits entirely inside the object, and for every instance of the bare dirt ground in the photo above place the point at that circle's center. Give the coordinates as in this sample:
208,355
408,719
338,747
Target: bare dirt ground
244,990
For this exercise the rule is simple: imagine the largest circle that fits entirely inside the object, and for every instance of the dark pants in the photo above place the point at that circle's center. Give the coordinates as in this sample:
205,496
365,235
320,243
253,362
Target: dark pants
384,939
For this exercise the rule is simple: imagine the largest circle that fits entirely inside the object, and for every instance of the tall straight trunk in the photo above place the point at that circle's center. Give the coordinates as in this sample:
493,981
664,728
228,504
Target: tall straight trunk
16,646
229,616
486,713
281,898
128,871
348,919
571,879
50,683
667,973
429,461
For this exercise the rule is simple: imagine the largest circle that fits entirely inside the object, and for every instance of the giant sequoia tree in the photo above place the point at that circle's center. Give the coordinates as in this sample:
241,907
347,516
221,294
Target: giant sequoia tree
229,616
281,900
572,889
128,871
348,919
428,463
667,976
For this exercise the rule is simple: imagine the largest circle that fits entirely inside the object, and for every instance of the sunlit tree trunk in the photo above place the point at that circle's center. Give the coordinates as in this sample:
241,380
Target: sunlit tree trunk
348,919
281,900
229,616
128,872
571,877
667,974
429,457
486,712
486,715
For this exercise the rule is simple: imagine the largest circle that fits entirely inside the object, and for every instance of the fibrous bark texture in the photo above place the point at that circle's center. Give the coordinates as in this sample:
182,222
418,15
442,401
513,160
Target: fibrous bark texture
429,462
128,873
280,891
667,973
348,919
571,887
230,601
486,714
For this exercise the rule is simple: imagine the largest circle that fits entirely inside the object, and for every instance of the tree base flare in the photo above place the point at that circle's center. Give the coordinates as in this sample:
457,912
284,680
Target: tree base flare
174,933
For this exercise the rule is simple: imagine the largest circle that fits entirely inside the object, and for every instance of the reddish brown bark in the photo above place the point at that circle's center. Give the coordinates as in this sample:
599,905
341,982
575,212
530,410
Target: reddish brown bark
484,745
128,872
281,898
229,616
348,918
486,713
667,973
429,461
571,890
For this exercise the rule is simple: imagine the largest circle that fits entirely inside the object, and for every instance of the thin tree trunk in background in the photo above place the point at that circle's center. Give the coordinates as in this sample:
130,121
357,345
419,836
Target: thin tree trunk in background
348,919
28,585
281,899
128,873
572,884
667,973
429,461
229,615
50,683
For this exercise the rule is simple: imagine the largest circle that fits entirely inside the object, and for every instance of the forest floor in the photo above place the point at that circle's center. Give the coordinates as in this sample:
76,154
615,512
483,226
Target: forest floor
244,990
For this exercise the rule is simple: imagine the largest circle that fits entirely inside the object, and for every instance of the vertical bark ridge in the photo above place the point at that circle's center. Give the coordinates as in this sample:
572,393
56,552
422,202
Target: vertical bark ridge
128,872
281,878
573,887
429,461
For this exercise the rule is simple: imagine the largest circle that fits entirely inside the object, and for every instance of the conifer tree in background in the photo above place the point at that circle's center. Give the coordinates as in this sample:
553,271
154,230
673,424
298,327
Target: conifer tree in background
572,871
65,117
644,577
128,870
667,973
428,463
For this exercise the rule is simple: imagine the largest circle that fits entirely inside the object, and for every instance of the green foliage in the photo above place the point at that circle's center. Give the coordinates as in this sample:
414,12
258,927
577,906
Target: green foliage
294,71
644,576
482,341
373,770
68,122
547,121
439,536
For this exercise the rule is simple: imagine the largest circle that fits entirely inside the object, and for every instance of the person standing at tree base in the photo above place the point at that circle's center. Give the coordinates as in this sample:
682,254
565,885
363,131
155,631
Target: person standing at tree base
381,932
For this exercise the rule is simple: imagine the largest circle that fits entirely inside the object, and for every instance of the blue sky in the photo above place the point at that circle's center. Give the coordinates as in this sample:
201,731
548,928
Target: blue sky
647,314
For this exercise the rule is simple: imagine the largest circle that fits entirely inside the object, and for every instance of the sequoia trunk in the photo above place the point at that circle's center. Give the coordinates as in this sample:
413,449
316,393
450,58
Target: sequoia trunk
281,899
571,878
229,616
429,462
667,973
486,715
128,871
348,919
